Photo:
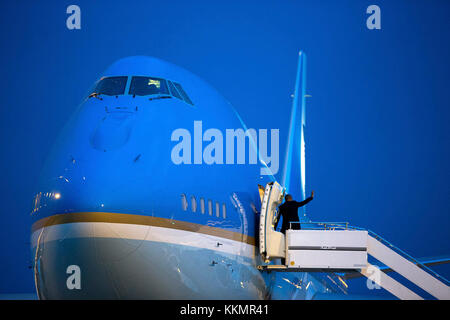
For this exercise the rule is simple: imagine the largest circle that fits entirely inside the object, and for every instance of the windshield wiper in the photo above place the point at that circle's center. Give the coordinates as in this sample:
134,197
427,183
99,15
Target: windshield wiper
160,96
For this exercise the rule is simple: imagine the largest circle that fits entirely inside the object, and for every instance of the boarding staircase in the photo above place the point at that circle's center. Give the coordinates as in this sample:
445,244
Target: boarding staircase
341,248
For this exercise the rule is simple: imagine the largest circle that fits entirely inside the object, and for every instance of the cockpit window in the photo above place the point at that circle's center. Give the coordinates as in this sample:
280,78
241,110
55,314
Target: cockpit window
177,91
157,88
111,86
183,93
145,86
174,91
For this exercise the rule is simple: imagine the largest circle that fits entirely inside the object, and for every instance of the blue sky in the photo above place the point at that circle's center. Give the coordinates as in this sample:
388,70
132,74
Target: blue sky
377,124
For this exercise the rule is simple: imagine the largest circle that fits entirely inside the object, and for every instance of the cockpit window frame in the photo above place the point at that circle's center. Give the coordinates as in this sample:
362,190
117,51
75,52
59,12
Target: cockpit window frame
163,84
96,90
170,88
173,90
178,92
183,93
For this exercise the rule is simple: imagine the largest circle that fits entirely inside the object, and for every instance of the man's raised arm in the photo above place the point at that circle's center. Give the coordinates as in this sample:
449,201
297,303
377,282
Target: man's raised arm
302,203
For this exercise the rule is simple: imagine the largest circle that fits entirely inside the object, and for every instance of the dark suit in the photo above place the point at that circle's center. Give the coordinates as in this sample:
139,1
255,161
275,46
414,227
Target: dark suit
289,211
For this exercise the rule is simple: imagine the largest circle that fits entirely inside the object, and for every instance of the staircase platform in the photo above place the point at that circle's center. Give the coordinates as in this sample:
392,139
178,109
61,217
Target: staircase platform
284,268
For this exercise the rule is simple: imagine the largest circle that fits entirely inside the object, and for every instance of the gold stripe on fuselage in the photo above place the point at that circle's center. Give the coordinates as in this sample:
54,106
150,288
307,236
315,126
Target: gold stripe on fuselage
140,220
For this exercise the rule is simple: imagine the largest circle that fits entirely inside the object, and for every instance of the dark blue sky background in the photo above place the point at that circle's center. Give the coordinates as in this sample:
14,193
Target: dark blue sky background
377,123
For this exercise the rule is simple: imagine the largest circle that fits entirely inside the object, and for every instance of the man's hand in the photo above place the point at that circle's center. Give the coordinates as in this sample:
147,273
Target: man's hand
312,194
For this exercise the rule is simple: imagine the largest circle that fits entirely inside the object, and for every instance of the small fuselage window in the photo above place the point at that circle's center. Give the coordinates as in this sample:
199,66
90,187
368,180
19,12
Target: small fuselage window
193,204
210,207
145,86
202,205
184,203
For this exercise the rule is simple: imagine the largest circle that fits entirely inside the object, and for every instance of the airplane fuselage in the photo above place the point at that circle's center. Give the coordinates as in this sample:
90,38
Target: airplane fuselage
112,202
